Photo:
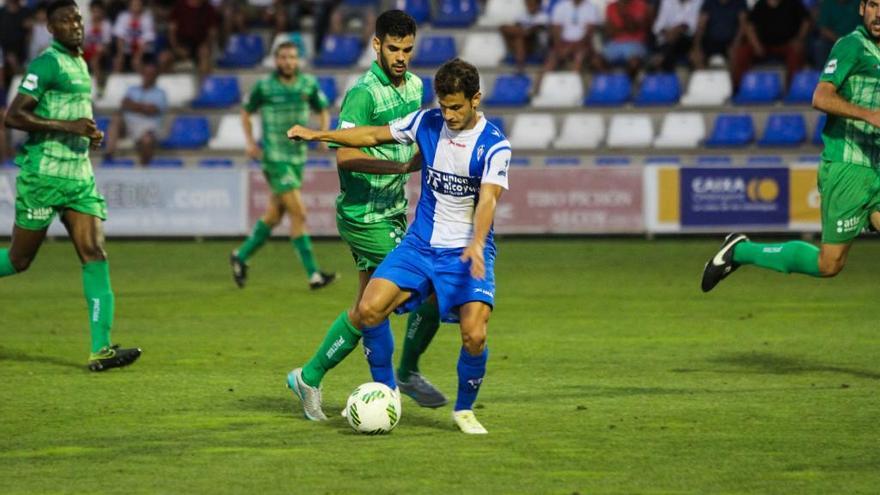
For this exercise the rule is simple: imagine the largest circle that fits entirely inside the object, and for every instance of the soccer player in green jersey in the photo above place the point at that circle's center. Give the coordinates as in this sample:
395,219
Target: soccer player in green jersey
54,107
283,99
371,218
849,184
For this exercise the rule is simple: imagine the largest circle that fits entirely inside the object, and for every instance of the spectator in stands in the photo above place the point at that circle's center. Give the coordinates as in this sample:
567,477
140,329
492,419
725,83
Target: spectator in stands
140,116
3,92
192,35
836,18
15,27
674,29
341,14
572,23
135,37
523,37
775,28
627,33
718,29
98,36
40,37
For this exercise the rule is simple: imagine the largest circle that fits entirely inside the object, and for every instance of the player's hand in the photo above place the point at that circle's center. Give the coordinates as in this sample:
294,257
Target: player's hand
83,127
300,133
474,253
96,140
254,152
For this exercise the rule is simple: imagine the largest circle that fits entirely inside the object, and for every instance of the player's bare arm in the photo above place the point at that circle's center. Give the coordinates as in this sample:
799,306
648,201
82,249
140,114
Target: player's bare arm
355,137
252,150
372,165
21,116
826,99
484,215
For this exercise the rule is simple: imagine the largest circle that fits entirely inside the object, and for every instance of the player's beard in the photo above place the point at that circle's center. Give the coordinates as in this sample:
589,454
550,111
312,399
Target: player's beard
390,71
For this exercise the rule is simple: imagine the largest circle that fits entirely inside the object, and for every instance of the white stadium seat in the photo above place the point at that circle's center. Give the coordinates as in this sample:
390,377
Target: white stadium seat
708,88
630,131
115,89
13,88
581,130
533,131
681,130
484,49
230,134
560,89
500,12
180,89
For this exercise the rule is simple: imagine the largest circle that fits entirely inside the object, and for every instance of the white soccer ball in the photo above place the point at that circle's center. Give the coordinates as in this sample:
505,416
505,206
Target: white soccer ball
373,409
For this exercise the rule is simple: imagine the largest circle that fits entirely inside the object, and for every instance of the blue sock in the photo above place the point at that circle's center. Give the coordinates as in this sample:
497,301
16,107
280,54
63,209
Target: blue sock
378,347
471,370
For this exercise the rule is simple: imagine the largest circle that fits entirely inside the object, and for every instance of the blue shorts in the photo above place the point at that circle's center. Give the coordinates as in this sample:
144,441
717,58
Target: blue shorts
423,270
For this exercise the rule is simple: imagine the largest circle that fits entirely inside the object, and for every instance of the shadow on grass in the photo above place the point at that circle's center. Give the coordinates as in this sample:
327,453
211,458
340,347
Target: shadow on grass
765,362
22,357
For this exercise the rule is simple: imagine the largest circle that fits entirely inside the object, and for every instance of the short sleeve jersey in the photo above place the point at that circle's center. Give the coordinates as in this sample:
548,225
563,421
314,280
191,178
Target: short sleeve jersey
375,101
59,80
282,106
853,67
455,164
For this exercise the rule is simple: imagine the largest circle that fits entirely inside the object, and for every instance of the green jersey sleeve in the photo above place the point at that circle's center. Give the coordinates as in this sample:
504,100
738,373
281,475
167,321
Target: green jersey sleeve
254,100
357,110
842,60
40,76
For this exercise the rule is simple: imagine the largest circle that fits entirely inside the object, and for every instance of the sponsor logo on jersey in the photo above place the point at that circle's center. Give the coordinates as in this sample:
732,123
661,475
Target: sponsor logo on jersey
480,151
847,225
39,213
831,67
30,82
453,185
480,290
335,347
475,383
457,145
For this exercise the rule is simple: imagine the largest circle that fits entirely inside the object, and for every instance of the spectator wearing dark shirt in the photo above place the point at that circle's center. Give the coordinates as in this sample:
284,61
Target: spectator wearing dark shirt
718,28
775,28
627,33
836,18
192,34
15,28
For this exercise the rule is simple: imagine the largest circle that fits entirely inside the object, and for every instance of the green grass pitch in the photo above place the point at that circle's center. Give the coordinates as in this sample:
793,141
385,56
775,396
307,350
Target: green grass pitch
609,372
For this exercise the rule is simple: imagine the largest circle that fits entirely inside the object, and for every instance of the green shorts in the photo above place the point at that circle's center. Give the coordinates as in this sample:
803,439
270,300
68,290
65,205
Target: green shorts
850,193
370,243
39,197
282,176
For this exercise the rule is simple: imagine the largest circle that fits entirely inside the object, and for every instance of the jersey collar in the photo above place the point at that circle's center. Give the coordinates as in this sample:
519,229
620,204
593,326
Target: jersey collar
380,74
63,49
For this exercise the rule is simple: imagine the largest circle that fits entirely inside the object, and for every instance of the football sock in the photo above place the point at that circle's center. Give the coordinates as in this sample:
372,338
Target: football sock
341,339
378,347
421,327
100,301
256,240
471,370
303,246
6,267
787,257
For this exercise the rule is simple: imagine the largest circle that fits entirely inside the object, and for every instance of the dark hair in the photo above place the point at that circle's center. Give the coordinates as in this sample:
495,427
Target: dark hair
58,4
457,76
395,23
285,44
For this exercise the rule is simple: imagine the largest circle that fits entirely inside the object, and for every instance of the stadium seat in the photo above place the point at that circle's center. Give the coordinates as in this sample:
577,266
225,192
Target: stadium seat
498,12
765,160
242,51
604,161
499,123
659,89
581,130
166,163
714,160
428,96
114,90
562,161
420,10
681,130
118,163
630,131
328,87
338,51
609,89
784,129
216,163
188,132
759,87
802,86
559,89
510,90
315,162
484,49
218,92
433,51
732,131
533,131
230,135
708,88
817,131
454,13
180,89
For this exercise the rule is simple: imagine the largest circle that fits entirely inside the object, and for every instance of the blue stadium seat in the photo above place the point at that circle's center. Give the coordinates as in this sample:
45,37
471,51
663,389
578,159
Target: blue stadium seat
216,163
510,90
188,132
784,129
714,160
427,91
563,161
420,10
242,50
319,163
434,50
218,92
759,87
732,131
817,132
339,51
609,89
103,126
166,163
605,161
10,163
765,160
662,160
659,89
118,163
499,123
802,86
454,13
328,87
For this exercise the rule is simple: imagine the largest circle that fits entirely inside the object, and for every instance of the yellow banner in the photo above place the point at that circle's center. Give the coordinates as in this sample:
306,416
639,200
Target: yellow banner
804,196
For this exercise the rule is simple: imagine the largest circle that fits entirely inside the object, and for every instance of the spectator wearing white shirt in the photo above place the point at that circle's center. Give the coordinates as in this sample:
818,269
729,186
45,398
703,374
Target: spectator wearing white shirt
135,34
572,23
674,29
523,37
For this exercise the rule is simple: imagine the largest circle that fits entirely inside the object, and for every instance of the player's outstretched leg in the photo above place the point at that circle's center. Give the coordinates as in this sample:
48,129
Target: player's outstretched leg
421,327
722,264
238,258
308,395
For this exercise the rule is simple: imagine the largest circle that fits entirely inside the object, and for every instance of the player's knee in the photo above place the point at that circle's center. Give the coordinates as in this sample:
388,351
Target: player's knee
21,263
368,315
473,341
831,268
93,252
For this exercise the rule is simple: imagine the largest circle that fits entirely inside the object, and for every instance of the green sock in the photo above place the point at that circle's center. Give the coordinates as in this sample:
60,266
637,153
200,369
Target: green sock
6,267
255,241
341,339
303,246
99,298
421,327
787,257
